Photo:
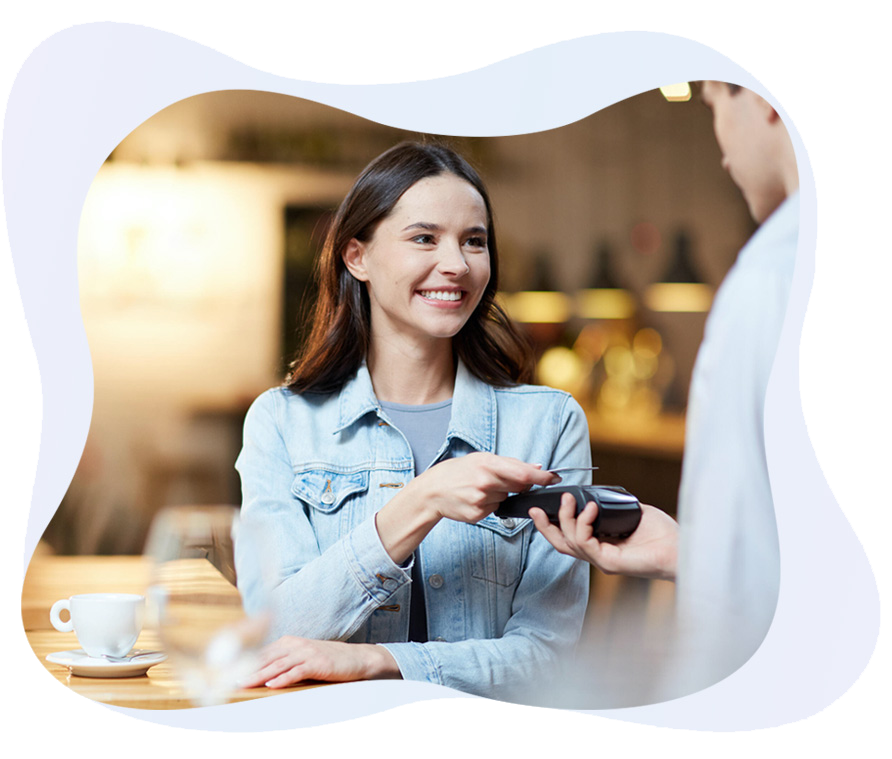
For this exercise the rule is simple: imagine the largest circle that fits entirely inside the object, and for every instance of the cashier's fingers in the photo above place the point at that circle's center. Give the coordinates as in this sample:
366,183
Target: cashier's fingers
567,518
585,530
575,536
559,537
578,529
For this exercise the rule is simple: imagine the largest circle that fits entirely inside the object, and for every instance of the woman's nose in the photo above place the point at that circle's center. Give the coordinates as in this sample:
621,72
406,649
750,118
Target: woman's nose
452,260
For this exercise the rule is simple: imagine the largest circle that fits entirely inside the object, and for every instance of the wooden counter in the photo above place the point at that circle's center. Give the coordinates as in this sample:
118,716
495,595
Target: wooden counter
50,578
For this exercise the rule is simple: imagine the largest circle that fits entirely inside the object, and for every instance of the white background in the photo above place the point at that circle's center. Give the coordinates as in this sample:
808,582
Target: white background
826,68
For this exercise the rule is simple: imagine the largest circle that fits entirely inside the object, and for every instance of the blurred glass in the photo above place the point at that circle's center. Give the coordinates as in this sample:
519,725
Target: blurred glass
193,601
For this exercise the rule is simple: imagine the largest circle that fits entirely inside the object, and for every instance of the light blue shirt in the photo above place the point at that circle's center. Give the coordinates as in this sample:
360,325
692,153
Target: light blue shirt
729,558
502,605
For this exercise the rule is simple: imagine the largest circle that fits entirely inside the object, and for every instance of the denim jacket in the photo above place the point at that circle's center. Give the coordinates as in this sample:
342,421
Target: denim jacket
502,605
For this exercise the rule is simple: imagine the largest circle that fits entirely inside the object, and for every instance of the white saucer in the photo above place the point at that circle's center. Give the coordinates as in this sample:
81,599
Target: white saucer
82,665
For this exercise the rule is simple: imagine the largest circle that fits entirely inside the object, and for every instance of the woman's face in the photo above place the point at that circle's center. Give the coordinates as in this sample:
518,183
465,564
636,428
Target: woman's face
427,264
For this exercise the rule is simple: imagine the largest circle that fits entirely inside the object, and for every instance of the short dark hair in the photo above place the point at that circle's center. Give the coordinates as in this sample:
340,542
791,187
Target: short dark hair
489,344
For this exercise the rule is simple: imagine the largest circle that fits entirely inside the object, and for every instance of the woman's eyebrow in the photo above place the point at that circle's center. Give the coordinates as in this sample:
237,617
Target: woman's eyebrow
423,225
430,227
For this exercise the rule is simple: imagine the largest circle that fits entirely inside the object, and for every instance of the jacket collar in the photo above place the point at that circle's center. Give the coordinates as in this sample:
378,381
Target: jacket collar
473,407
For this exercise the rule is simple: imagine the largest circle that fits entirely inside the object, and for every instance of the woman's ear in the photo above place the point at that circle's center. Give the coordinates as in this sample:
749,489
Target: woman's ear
354,259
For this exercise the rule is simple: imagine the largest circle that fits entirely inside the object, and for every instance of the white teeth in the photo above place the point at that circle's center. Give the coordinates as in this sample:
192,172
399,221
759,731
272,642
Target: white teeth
441,294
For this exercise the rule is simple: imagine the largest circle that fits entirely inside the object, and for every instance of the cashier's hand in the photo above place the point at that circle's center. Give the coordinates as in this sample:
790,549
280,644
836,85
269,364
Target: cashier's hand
291,660
651,551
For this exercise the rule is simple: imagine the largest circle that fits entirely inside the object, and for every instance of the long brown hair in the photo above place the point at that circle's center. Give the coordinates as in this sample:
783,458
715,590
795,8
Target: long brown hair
489,344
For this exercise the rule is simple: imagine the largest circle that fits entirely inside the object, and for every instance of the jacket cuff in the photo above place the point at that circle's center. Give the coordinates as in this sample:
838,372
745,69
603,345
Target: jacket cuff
378,575
415,662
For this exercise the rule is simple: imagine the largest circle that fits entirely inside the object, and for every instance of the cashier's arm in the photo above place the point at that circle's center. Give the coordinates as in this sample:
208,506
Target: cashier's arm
651,551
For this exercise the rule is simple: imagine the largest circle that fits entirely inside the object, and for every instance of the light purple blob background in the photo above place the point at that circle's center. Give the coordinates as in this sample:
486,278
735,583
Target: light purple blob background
83,90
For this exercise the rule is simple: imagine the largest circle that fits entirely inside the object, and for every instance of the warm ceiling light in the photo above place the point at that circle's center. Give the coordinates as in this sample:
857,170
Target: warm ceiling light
537,306
604,303
678,297
561,368
680,288
677,93
605,297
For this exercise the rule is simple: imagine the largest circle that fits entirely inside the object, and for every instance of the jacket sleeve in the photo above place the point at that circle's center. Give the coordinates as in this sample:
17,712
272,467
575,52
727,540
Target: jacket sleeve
311,593
546,614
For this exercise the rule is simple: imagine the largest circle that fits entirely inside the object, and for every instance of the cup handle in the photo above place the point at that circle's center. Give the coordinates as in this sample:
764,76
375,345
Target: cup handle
63,627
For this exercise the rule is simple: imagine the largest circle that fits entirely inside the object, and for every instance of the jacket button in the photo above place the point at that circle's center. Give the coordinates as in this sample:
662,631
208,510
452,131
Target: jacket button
436,581
440,639
509,523
328,498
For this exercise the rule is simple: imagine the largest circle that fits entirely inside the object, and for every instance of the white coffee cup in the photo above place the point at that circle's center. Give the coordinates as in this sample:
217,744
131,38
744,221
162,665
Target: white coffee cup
106,624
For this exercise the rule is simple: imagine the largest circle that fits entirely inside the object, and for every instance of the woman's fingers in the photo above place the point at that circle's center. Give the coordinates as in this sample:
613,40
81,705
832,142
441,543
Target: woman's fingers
505,472
286,678
268,673
471,487
276,660
517,475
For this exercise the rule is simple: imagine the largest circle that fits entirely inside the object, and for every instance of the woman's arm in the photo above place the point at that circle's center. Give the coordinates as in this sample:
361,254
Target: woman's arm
290,660
548,611
316,594
329,594
546,619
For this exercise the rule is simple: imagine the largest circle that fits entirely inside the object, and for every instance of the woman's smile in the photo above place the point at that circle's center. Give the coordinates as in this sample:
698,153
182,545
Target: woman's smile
443,298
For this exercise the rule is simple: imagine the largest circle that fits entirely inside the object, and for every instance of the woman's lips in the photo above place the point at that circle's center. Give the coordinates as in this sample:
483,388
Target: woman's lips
442,295
442,298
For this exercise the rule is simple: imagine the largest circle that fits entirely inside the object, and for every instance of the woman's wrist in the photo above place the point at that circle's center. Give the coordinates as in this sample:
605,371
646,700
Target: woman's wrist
381,664
405,521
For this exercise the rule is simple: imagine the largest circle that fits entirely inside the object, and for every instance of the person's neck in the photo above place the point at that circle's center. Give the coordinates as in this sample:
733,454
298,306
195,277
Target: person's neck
412,374
787,166
791,180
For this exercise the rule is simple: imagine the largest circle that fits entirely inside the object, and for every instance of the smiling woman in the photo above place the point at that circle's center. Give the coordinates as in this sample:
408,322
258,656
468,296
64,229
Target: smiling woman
340,337
403,425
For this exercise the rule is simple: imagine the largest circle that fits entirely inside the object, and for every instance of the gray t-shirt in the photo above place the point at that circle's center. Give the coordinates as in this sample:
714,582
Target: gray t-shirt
424,427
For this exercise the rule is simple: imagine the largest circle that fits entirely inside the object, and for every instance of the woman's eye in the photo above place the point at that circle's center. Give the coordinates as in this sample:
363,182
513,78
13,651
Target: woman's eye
476,242
423,239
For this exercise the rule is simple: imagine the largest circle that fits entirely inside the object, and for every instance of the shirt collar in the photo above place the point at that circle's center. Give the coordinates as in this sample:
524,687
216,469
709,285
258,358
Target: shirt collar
473,411
473,407
357,399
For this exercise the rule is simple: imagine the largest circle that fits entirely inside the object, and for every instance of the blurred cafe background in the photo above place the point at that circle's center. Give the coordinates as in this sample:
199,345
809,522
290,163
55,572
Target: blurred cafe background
195,256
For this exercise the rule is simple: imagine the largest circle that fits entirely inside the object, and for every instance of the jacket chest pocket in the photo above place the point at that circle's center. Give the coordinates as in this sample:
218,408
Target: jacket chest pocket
325,493
498,550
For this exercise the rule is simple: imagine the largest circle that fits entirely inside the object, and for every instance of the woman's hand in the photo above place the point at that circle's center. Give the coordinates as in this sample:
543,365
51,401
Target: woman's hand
651,551
465,489
469,488
291,660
